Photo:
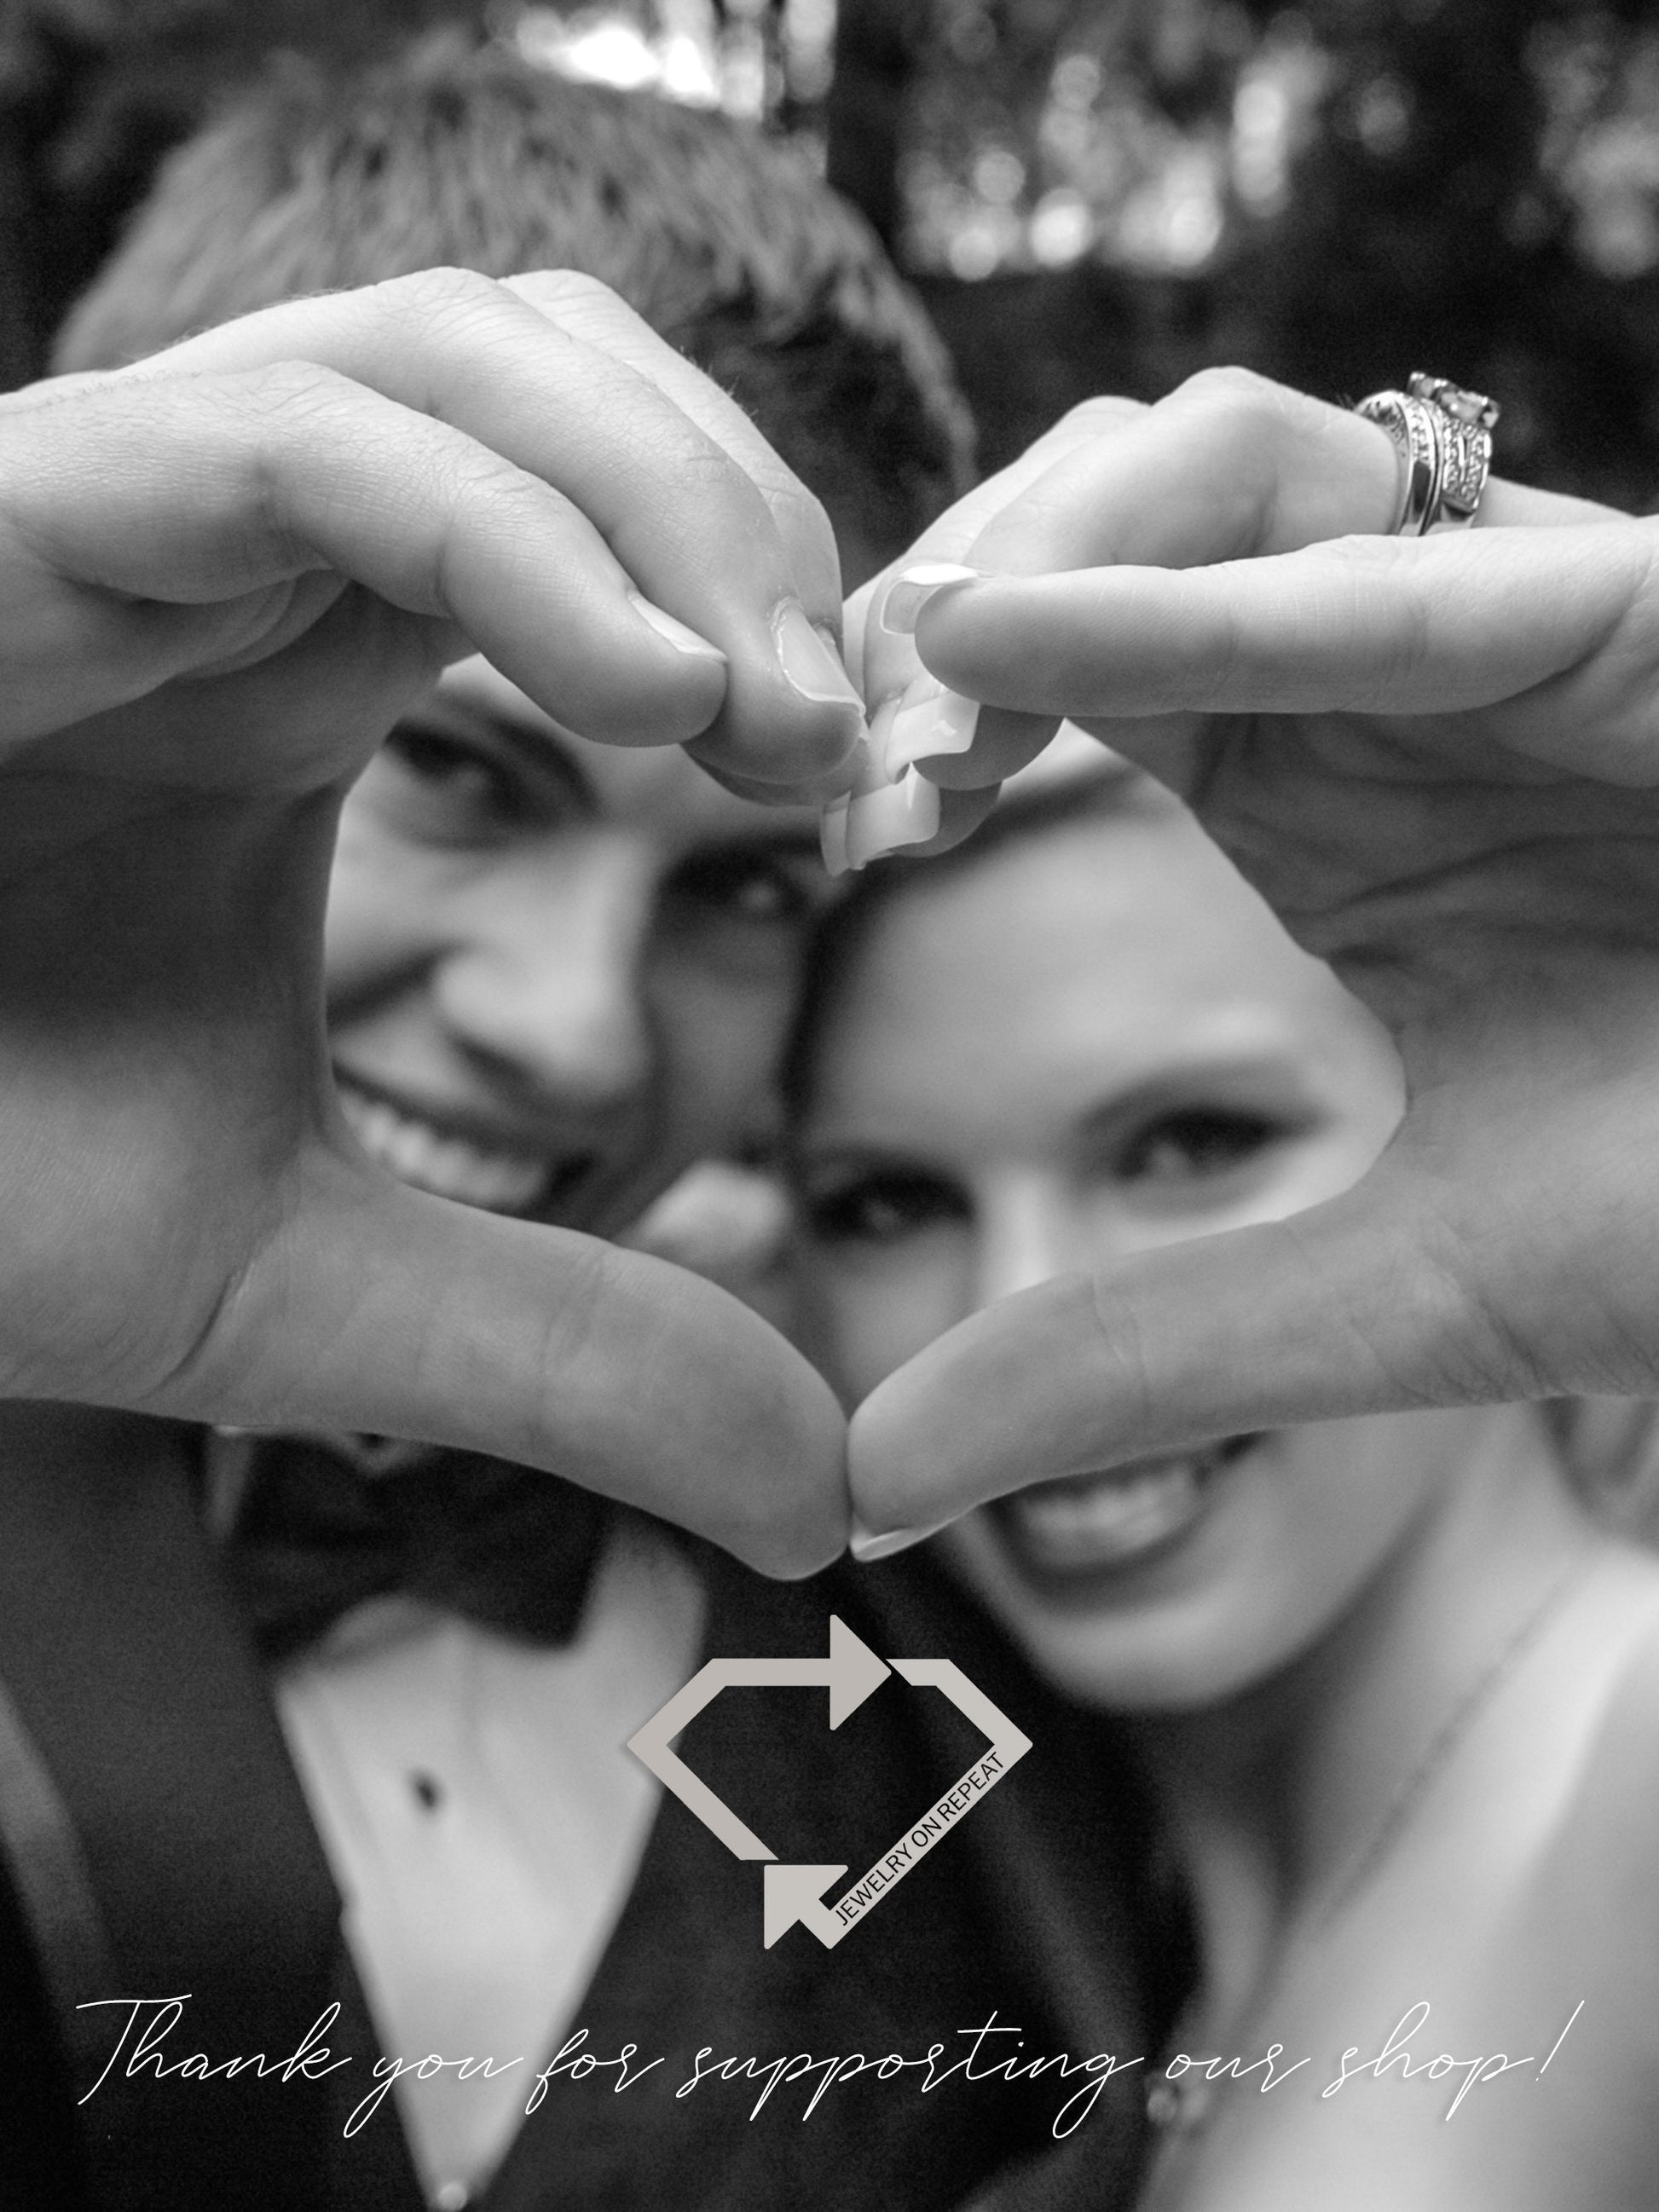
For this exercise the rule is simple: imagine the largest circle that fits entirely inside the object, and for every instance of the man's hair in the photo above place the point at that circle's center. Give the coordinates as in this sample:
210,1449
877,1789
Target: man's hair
449,153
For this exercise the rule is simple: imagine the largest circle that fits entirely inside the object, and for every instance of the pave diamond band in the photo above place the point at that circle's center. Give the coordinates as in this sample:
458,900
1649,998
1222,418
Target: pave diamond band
1443,437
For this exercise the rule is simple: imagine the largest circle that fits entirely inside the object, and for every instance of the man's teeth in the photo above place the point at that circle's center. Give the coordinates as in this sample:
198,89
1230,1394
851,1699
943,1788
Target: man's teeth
1099,1520
447,1166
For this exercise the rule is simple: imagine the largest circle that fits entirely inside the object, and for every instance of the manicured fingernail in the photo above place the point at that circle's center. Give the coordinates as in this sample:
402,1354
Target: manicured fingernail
810,661
832,836
881,724
911,589
866,1546
930,719
897,814
681,639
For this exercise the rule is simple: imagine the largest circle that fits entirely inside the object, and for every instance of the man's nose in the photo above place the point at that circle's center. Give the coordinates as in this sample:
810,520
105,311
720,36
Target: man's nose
1027,1233
548,986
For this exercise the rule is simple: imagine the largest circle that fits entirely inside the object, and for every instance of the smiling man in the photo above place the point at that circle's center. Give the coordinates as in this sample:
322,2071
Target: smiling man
556,973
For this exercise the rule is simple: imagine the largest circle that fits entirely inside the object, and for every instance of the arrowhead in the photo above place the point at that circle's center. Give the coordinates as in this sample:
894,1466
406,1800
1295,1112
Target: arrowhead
854,1672
790,1892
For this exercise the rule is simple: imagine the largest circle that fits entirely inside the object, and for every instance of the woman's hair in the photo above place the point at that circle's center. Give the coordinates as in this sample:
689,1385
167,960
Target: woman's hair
454,153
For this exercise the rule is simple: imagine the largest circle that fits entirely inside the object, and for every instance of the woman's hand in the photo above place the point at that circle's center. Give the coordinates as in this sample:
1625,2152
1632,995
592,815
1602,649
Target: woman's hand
1439,759
224,573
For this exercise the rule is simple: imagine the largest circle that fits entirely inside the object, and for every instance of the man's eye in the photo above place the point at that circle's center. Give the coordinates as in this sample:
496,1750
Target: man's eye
881,1209
457,786
1195,1144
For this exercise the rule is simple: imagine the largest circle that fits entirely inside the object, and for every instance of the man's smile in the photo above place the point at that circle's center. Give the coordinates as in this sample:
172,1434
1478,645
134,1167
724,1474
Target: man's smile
448,1161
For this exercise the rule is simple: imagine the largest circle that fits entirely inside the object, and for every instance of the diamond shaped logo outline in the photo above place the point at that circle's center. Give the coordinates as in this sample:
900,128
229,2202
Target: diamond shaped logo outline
851,1672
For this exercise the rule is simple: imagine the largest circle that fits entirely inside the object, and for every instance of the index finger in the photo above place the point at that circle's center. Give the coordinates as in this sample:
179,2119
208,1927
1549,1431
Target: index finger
684,519
895,678
1229,467
590,310
1557,629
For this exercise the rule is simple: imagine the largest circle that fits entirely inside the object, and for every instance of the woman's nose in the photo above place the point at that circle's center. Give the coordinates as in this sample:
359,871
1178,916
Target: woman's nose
1027,1234
548,985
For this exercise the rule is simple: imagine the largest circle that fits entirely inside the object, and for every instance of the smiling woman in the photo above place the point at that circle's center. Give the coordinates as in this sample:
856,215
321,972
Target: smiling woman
1384,1672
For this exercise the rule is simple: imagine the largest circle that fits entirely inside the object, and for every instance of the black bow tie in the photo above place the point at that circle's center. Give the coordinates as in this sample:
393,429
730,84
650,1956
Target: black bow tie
312,1536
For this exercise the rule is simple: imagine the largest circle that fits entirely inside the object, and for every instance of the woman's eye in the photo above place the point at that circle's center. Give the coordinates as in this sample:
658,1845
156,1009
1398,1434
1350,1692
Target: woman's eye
760,889
1195,1146
881,1209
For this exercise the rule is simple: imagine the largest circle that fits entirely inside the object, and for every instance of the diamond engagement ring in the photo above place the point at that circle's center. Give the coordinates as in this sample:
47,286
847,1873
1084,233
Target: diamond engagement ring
1443,436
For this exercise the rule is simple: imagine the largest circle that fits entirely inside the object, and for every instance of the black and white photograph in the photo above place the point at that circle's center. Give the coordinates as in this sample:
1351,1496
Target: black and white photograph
829,1106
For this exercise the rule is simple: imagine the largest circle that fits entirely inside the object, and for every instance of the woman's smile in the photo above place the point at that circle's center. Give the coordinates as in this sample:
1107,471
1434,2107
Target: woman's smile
1087,1528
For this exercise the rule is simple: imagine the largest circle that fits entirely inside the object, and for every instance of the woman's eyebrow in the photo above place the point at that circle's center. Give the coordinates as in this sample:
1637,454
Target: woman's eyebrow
786,842
1243,1082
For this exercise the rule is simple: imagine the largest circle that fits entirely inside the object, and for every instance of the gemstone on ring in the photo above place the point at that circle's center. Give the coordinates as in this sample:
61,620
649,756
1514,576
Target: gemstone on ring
1443,434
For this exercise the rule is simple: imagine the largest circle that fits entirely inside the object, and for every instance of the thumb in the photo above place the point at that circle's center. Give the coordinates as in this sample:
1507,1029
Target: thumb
1346,1308
379,1309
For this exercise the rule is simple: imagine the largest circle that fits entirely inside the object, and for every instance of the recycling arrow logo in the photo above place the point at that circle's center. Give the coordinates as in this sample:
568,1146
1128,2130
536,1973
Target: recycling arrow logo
850,1673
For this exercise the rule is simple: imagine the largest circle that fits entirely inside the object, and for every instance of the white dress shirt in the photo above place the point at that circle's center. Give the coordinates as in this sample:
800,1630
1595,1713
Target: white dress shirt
485,1823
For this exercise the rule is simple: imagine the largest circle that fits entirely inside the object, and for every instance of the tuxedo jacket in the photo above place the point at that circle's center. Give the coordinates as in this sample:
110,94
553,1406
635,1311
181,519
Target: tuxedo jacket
166,1908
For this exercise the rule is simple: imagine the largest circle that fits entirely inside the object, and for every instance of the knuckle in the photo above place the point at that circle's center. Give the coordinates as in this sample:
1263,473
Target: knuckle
801,513
1257,428
434,307
266,416
582,307
710,482
1103,412
274,405
283,387
442,291
1232,392
573,287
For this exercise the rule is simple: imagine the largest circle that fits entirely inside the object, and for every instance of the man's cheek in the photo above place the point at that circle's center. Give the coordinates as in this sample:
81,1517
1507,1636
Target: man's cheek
383,907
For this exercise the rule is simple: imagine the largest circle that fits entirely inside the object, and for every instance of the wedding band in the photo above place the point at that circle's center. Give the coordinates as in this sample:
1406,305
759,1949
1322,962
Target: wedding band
1443,437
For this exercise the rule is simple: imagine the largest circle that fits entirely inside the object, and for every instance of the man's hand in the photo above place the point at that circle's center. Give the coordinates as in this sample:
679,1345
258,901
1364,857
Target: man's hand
225,572
1439,761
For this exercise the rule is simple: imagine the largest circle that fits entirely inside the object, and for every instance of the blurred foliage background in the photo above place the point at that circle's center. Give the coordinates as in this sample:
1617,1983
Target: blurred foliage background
1091,194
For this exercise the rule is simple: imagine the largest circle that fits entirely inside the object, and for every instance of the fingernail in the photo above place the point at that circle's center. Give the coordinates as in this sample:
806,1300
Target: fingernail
810,661
832,836
930,719
911,589
681,639
866,1546
881,724
897,814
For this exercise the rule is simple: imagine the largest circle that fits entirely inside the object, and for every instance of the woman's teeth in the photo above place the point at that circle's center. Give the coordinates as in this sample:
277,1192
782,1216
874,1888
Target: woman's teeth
1094,1521
446,1166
